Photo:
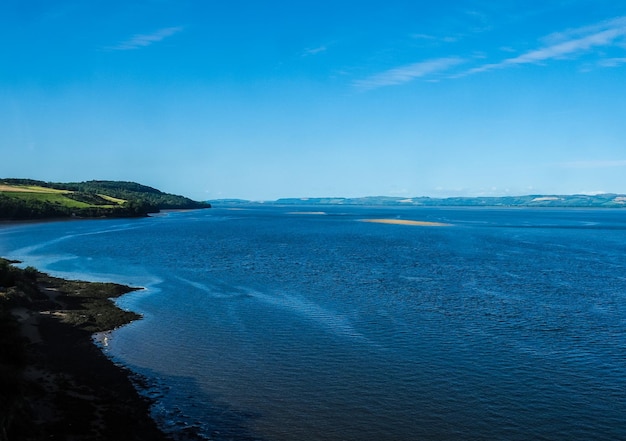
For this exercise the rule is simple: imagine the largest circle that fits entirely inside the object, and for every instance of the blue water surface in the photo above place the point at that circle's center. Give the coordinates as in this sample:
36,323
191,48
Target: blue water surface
287,323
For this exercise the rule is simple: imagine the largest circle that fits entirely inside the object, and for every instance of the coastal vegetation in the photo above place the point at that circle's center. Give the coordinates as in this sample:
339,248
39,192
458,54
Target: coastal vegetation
32,199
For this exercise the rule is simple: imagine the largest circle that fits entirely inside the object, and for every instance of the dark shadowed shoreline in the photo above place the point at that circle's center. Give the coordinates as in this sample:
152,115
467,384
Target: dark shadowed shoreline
55,383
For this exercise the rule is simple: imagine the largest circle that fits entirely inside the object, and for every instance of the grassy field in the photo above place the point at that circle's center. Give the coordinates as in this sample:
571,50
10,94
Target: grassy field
53,196
112,199
29,189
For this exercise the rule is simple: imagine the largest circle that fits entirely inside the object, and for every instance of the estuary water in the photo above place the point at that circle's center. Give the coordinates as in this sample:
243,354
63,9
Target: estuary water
287,323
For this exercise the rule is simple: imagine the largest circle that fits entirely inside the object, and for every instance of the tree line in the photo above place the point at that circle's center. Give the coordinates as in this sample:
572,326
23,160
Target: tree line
16,209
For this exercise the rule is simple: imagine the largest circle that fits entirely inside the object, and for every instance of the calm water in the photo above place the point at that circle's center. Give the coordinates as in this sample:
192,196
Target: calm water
265,324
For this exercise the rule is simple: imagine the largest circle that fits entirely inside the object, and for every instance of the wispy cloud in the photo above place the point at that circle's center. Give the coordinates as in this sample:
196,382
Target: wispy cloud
404,74
433,38
481,21
583,31
423,37
612,62
138,41
566,44
595,163
314,51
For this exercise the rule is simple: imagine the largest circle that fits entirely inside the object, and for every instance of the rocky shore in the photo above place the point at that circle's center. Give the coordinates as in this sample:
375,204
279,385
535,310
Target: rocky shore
55,383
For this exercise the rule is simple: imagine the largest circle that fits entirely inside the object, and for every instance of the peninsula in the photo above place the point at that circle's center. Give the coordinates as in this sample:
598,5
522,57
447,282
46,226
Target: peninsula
22,199
55,383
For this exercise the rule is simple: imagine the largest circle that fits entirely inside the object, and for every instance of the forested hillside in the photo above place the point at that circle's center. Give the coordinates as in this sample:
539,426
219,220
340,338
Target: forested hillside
32,199
605,200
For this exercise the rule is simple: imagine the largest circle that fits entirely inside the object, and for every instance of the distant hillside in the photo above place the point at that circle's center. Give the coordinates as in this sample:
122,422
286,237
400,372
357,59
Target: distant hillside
32,199
579,200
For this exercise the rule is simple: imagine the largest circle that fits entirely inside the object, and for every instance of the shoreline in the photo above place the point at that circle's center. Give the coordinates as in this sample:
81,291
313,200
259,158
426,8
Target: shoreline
63,385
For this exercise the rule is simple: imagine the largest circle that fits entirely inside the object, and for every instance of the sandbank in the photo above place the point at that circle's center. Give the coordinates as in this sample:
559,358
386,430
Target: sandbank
317,213
407,222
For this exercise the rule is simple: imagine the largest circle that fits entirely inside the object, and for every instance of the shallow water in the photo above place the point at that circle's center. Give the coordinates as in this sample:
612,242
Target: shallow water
272,325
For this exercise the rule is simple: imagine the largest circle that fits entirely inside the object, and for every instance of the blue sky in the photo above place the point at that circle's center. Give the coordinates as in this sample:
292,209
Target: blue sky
261,100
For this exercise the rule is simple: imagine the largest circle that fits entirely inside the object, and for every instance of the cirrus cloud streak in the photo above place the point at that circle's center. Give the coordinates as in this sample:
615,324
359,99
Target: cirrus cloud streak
404,74
138,41
567,44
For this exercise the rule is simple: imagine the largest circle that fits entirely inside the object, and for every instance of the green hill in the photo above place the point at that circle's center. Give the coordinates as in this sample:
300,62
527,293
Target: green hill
32,199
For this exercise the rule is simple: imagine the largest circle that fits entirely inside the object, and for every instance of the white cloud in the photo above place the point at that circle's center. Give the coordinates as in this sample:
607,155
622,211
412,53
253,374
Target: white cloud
423,37
566,44
507,49
314,51
583,31
143,40
404,74
433,38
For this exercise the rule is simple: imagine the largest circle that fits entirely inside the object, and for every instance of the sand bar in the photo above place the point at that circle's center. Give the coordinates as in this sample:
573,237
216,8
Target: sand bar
407,222
316,213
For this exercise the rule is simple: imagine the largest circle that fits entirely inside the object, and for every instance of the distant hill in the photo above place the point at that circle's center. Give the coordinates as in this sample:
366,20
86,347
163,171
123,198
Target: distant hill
608,200
32,199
